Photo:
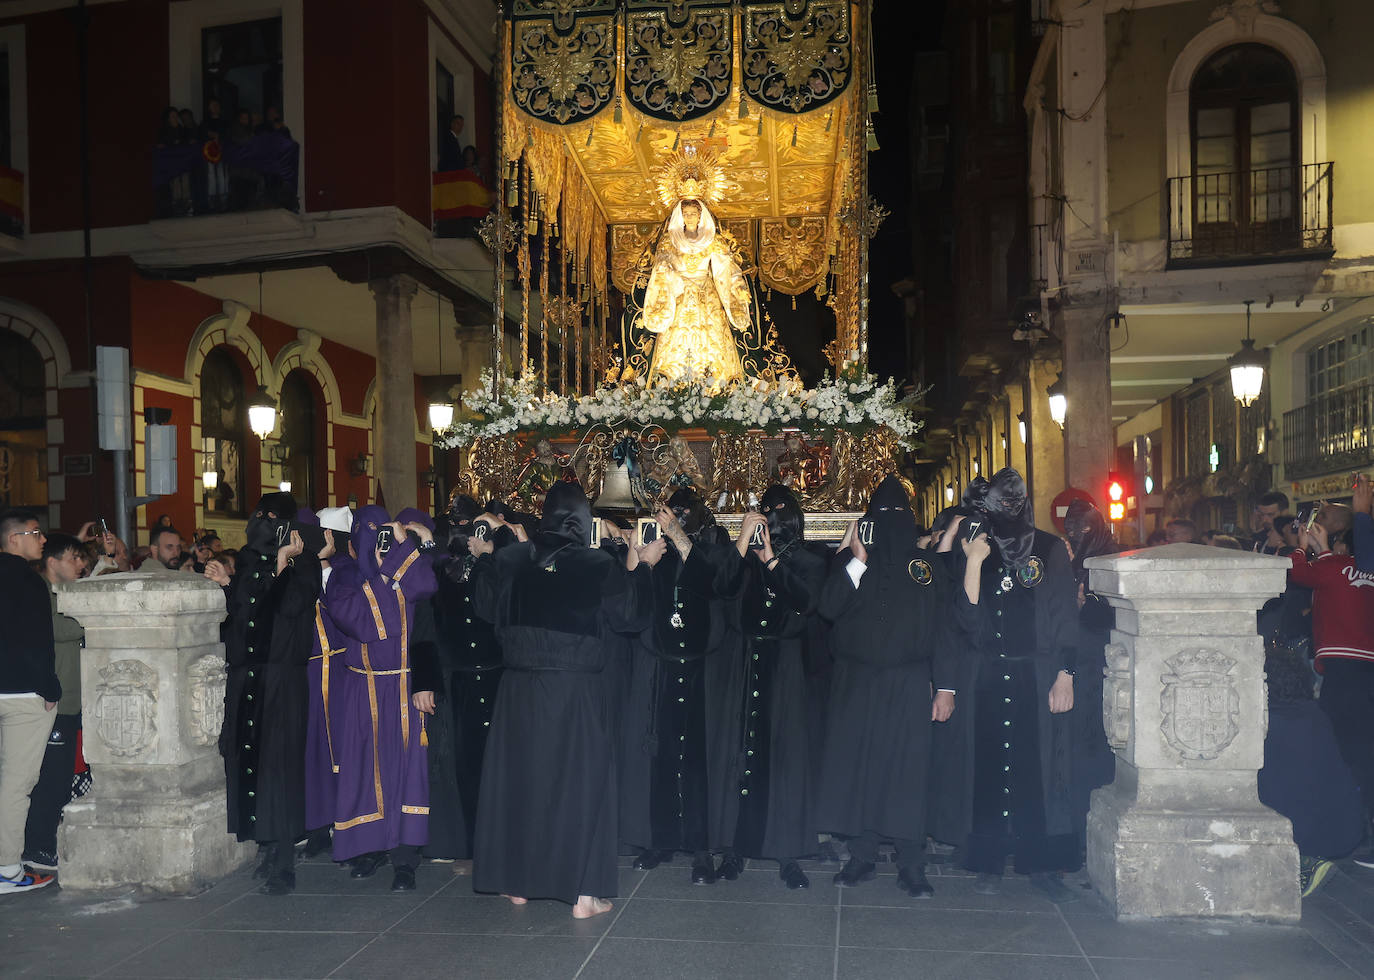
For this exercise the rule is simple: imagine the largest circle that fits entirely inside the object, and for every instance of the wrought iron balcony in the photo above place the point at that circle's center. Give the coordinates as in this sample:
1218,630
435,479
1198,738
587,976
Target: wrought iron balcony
1329,434
1271,215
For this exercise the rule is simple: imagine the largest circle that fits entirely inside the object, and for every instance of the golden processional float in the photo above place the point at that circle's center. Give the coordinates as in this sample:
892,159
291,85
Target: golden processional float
666,168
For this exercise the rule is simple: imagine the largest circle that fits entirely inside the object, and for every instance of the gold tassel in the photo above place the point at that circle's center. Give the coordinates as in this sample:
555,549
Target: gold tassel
794,134
677,139
820,289
872,99
760,132
590,131
872,137
424,735
743,107
794,304
711,134
618,115
829,119
639,132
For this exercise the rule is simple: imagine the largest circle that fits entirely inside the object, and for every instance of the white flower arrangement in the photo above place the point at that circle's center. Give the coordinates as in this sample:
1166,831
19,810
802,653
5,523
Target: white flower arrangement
856,401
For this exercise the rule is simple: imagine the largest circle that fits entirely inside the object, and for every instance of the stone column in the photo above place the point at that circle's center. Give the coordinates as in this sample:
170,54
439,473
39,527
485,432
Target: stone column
1089,443
1046,450
1181,832
152,691
394,436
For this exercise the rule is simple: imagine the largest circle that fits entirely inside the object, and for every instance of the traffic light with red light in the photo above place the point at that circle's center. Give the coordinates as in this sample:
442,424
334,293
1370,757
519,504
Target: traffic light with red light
1118,488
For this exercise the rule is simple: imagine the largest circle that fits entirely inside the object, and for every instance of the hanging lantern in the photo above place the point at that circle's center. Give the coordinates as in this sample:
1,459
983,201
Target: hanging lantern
440,415
262,413
1059,401
209,479
1247,368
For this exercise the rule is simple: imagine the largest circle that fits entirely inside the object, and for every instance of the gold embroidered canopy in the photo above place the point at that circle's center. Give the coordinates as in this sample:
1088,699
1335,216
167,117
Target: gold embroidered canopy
599,94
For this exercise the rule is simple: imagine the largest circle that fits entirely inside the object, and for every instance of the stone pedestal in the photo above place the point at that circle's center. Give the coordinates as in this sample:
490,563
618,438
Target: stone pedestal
152,691
1181,832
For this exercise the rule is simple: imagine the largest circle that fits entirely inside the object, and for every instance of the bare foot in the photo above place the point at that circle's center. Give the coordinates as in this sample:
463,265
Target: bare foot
514,900
587,907
462,868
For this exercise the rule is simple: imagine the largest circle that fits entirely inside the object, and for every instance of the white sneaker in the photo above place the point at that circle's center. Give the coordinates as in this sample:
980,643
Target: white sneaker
25,881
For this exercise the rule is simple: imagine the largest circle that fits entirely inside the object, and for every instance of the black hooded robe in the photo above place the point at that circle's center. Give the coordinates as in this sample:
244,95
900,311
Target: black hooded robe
772,767
546,819
891,649
267,643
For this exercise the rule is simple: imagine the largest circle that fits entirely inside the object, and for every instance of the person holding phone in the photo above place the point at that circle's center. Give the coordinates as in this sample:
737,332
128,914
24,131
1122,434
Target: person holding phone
890,606
382,808
678,742
267,638
546,820
783,581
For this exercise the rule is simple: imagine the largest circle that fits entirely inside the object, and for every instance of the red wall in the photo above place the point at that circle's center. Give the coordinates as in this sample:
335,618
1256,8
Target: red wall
367,99
128,61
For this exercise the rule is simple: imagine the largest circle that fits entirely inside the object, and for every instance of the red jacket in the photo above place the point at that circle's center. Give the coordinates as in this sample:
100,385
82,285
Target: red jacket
1342,605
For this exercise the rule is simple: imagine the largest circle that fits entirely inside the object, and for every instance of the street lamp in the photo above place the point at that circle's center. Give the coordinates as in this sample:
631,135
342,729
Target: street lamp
949,493
262,413
1247,367
440,415
1059,400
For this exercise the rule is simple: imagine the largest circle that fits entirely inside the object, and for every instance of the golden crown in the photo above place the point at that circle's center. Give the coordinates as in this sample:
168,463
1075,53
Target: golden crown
691,174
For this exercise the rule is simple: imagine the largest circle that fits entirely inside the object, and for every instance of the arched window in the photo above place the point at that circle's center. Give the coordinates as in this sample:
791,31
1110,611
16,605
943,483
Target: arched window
223,422
1247,164
298,437
23,424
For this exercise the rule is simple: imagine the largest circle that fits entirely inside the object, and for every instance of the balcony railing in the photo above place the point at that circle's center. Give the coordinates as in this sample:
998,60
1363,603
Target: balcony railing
1330,433
1250,215
212,177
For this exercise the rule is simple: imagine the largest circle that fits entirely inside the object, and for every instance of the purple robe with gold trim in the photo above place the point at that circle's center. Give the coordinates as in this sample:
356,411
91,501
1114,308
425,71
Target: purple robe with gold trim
326,660
378,736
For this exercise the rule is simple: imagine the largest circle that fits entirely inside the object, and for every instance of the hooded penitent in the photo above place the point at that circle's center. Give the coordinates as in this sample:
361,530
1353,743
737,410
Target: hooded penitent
452,529
266,530
1009,510
366,523
786,522
1088,535
567,522
690,510
893,525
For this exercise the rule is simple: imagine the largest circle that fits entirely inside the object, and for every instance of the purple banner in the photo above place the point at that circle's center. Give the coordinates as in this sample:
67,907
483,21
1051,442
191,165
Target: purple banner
270,154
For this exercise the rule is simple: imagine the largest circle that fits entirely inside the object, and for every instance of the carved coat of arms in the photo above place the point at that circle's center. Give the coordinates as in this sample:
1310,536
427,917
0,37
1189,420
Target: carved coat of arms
206,702
126,706
1118,693
1200,703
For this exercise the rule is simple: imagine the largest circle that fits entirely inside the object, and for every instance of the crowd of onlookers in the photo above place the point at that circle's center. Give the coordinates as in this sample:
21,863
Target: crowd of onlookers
214,184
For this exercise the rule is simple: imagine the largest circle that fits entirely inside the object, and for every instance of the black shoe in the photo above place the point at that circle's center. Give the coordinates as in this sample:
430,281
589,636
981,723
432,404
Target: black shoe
913,881
987,884
282,881
730,867
317,843
649,859
793,876
366,865
403,880
703,872
855,872
40,860
267,860
1053,888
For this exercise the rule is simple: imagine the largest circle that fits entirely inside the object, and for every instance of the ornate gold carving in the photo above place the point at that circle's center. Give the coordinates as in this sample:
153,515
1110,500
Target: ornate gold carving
796,56
739,470
631,254
792,253
562,66
691,174
858,464
678,59
493,468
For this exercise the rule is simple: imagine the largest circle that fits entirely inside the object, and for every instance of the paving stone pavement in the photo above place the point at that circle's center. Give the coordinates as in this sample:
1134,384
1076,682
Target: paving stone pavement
662,926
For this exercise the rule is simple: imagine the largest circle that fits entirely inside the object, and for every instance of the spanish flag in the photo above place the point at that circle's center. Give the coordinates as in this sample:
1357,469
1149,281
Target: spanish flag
459,194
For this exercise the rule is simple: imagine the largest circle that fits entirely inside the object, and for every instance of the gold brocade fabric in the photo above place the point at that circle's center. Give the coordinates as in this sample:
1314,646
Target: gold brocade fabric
696,298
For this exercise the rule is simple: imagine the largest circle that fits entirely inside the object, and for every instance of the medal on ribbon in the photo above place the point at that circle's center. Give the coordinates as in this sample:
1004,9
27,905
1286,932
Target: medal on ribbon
1032,573
920,571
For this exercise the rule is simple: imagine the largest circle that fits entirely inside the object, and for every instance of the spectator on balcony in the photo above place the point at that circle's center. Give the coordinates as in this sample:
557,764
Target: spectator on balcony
451,146
273,123
171,132
244,182
1268,507
214,131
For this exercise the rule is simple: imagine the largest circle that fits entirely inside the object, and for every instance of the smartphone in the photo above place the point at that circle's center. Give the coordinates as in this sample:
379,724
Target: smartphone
648,530
384,539
1312,516
595,539
104,528
865,532
756,538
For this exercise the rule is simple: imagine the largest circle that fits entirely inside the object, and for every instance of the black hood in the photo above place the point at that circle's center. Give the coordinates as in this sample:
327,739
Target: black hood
266,533
894,526
1008,508
786,522
1088,534
566,523
691,511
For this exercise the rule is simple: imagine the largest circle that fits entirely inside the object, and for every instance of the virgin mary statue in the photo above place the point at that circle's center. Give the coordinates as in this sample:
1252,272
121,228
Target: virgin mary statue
697,296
